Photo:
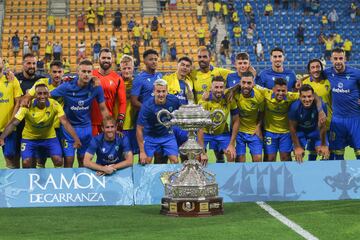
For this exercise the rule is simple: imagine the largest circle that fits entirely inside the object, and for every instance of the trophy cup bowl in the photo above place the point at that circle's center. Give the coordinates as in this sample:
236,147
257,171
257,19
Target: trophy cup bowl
191,191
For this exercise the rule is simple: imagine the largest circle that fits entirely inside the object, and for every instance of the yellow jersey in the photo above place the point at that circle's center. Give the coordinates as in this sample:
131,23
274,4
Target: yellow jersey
202,81
173,83
47,82
100,10
276,113
40,123
212,105
130,114
249,109
136,31
268,8
323,90
9,90
217,7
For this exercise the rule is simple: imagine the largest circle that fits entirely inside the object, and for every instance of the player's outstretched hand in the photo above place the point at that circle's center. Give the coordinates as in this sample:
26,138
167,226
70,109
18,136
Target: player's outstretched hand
142,158
299,154
2,142
77,143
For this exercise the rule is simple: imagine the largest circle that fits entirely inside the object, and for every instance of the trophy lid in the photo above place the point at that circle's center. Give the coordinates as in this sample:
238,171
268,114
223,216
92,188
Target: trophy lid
191,111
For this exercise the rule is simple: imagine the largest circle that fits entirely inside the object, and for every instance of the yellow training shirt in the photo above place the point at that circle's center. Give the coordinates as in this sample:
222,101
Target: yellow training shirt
347,45
9,90
276,113
40,123
211,106
202,81
249,109
173,83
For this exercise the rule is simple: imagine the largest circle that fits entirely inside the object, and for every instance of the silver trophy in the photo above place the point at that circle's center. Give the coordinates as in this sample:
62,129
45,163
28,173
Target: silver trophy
192,191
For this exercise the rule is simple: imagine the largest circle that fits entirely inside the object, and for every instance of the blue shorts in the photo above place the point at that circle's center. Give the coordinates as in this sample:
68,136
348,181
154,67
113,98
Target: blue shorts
9,149
35,48
85,136
252,140
274,142
344,132
217,143
180,135
166,144
309,140
131,137
30,148
59,136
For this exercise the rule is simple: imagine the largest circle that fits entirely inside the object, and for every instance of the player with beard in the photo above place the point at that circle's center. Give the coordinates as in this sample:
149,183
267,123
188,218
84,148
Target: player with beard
267,77
219,138
203,76
345,91
78,96
127,73
10,93
114,92
148,130
250,102
27,78
304,130
56,78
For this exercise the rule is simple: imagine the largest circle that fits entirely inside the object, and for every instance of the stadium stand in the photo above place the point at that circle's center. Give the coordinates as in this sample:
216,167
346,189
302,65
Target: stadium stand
280,30
29,17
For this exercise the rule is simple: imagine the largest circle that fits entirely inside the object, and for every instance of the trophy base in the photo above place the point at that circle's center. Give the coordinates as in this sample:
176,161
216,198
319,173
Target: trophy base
192,208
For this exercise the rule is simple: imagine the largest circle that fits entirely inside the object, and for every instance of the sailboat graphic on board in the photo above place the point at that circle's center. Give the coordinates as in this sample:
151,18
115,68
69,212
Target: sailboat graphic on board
261,183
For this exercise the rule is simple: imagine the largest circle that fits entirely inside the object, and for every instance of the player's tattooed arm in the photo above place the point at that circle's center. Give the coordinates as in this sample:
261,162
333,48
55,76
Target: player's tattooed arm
322,114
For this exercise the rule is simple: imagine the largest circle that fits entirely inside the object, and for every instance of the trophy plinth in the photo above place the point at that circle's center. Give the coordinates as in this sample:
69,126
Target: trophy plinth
191,191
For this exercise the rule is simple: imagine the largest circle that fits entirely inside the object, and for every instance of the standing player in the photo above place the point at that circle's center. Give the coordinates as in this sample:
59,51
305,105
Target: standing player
10,93
142,88
148,130
250,102
242,65
112,151
114,91
345,90
219,139
39,132
304,130
78,96
202,77
267,77
320,84
27,77
180,85
127,73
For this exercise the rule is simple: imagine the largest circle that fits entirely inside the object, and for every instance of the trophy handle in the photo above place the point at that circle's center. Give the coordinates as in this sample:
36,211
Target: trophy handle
166,112
217,118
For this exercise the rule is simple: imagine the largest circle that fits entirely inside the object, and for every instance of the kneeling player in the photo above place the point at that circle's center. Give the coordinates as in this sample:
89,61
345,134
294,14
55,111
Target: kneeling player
39,132
303,125
112,151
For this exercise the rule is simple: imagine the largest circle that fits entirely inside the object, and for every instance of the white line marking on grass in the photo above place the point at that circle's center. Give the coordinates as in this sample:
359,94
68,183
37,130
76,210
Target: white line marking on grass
299,230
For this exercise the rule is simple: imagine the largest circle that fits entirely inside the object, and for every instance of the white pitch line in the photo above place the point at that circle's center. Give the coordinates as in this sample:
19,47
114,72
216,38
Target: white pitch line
295,227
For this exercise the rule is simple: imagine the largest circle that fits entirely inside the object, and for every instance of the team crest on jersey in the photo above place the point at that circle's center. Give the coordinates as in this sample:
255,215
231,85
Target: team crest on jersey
149,80
81,103
340,85
171,109
111,157
273,78
117,148
73,94
1,94
103,150
327,87
347,77
287,78
47,113
6,83
204,86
